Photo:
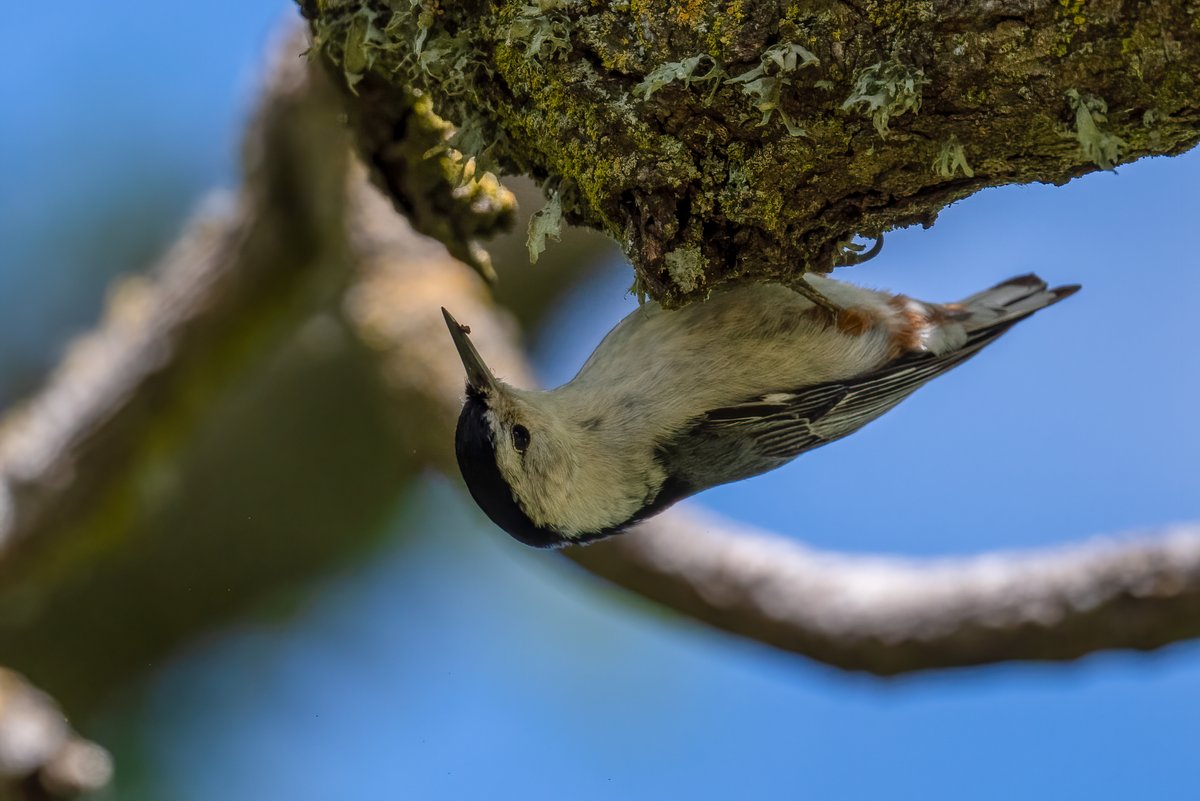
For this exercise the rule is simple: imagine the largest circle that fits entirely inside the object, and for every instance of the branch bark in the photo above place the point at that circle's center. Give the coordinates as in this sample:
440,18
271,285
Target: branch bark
723,142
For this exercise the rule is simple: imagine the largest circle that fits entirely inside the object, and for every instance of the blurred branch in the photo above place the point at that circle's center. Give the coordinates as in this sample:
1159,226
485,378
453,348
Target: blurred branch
126,520
40,756
889,615
236,278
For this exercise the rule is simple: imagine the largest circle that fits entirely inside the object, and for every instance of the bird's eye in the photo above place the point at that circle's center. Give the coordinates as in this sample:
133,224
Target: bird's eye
520,438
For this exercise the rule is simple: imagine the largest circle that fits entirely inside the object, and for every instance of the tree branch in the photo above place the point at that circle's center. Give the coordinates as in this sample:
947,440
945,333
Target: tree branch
191,455
888,615
722,141
226,285
139,488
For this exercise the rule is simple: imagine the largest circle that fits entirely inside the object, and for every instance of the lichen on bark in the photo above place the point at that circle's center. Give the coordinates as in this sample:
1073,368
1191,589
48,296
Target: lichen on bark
763,135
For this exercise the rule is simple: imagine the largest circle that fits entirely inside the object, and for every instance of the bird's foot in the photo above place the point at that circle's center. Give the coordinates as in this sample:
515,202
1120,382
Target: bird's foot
853,254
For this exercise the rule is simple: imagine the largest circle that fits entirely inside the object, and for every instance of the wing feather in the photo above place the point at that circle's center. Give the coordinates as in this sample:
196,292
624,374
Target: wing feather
767,430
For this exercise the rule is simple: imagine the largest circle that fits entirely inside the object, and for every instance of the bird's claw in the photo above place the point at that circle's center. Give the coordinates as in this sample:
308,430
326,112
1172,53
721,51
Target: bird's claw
852,254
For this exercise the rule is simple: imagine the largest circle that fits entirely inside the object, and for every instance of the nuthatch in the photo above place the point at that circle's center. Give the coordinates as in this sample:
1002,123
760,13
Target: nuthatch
674,402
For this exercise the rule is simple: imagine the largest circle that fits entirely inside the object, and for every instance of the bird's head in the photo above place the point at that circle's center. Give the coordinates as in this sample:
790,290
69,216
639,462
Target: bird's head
513,451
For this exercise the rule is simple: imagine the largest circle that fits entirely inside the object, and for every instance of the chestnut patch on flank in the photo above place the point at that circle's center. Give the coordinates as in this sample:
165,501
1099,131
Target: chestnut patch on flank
910,320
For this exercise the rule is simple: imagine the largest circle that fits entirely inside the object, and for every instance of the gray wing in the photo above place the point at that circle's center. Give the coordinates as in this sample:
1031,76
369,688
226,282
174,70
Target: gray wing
742,440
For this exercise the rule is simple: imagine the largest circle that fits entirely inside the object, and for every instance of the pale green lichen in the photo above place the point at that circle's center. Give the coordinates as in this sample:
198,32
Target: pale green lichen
885,90
1100,145
684,71
951,158
451,61
766,82
364,38
545,222
426,14
686,265
451,198
638,289
542,26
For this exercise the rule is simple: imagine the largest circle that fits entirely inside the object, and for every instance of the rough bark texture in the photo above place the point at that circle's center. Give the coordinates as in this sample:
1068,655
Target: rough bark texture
726,139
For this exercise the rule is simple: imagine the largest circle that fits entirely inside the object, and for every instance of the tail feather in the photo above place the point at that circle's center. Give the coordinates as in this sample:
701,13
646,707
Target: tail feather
1009,301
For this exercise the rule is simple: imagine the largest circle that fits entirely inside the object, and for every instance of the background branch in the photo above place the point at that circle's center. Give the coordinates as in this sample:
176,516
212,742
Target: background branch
887,615
121,514
40,756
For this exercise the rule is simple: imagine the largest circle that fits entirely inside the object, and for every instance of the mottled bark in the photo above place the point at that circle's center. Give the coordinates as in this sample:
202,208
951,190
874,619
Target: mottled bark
724,140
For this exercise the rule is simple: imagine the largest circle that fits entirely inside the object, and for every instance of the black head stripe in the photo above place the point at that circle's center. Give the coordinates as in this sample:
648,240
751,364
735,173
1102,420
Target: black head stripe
477,461
671,492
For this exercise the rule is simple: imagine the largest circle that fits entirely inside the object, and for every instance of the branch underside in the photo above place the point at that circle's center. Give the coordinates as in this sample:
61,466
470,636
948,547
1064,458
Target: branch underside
722,142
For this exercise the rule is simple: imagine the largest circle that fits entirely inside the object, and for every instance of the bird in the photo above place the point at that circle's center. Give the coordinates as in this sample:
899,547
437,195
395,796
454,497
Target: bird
674,402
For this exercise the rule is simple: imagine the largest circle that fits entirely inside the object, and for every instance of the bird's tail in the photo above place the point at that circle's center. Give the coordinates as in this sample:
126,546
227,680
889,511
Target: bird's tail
1007,302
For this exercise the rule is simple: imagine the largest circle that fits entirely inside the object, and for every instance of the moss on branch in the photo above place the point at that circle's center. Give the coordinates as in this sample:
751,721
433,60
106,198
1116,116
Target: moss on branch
760,136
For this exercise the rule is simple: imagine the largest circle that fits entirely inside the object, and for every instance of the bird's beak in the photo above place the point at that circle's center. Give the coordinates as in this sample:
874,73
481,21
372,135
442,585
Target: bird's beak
479,377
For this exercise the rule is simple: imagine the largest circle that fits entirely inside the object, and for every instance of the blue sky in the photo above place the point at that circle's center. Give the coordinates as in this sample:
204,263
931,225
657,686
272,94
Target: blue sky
458,664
